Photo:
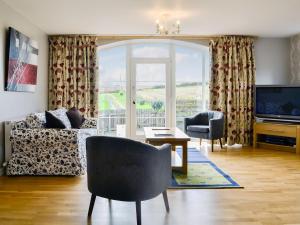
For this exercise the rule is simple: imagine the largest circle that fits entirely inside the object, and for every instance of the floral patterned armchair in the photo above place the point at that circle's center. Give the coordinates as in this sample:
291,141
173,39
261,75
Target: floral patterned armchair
42,151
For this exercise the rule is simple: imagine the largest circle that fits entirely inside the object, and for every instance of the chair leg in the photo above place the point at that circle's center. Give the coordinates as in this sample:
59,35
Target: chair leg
200,142
138,213
92,202
165,195
221,142
212,145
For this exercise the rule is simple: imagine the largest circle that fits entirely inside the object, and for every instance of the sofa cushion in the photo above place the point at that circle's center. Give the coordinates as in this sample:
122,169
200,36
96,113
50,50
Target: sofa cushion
41,117
62,115
53,122
76,119
198,128
33,121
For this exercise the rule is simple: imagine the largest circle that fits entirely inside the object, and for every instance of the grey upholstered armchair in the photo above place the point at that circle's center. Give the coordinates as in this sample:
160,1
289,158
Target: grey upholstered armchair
206,125
127,170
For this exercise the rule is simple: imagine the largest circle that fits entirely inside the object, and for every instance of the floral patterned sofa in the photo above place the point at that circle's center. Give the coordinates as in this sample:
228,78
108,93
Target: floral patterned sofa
36,150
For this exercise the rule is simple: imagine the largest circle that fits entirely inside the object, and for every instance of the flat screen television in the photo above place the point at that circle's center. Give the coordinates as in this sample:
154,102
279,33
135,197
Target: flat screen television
277,102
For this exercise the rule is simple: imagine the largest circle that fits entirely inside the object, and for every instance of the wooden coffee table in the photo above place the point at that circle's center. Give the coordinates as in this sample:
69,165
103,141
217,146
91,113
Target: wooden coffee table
175,137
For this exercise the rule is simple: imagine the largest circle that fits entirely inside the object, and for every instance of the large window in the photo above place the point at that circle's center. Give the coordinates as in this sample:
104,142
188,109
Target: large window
150,50
191,79
150,83
112,90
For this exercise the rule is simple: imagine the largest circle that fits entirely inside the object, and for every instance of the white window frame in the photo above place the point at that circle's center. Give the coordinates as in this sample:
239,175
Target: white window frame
170,63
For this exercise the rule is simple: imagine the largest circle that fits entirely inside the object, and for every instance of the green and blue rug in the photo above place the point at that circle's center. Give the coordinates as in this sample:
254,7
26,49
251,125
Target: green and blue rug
202,173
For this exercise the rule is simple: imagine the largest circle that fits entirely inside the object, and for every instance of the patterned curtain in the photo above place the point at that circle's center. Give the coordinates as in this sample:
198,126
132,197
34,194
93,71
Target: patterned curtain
73,73
232,84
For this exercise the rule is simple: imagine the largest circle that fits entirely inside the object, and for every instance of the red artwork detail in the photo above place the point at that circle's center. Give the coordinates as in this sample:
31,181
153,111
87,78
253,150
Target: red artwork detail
27,74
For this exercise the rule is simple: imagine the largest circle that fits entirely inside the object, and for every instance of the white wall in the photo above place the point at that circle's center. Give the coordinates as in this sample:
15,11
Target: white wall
272,60
17,104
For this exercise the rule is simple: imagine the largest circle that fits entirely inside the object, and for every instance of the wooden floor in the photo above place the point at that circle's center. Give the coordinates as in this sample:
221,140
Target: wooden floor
271,196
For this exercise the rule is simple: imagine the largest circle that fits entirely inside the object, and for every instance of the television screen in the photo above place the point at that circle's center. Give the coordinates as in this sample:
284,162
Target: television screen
278,101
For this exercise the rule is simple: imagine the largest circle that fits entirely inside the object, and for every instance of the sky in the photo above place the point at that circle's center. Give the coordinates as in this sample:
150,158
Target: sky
112,65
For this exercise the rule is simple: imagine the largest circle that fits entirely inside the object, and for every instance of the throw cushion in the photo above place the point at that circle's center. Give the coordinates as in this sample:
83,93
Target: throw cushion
53,122
76,119
61,114
41,117
33,121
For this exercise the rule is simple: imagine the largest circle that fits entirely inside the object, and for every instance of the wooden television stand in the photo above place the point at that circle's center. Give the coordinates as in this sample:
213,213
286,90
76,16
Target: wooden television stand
277,129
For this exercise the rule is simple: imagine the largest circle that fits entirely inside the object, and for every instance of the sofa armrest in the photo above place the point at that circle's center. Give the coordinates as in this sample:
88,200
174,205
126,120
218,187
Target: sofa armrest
48,151
90,123
187,122
216,128
20,124
165,164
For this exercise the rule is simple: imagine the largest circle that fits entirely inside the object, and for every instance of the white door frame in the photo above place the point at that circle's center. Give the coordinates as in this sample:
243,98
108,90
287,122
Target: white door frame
132,106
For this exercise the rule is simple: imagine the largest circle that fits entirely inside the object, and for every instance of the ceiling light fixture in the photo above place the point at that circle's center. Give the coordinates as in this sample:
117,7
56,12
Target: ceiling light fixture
165,27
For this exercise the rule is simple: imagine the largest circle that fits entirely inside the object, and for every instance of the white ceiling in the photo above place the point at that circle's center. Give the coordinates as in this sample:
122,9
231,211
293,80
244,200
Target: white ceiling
266,18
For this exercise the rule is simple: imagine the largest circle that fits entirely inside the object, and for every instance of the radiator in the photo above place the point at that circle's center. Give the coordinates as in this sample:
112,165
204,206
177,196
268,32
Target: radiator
7,143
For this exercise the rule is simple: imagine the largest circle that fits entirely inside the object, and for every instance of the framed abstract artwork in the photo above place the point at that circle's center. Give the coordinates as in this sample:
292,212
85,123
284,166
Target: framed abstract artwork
22,59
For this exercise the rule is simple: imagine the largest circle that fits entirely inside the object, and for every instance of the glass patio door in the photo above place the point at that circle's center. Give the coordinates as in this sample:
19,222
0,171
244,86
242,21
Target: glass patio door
150,99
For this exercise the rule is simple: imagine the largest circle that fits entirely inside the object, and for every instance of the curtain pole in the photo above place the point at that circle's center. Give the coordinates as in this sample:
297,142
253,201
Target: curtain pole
182,37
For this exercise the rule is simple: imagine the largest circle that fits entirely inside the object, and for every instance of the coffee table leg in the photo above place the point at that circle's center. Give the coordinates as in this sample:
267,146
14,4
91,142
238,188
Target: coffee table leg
184,158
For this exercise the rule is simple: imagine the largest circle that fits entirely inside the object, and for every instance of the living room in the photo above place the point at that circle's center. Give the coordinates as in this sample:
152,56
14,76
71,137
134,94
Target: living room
149,112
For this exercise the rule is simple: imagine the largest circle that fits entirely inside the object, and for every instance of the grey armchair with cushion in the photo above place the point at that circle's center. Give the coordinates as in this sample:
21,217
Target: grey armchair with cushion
127,170
206,125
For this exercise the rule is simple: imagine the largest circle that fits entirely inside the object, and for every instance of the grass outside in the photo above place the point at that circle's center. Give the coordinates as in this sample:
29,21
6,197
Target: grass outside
145,97
117,100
